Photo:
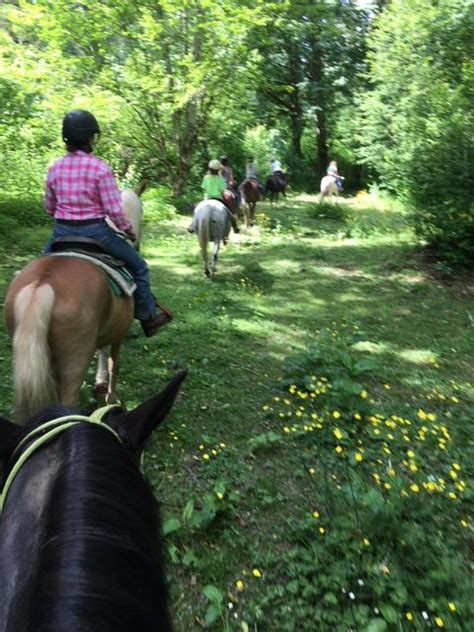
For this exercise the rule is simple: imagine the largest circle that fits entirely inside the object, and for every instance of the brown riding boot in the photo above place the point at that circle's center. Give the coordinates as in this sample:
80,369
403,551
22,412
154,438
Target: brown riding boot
151,325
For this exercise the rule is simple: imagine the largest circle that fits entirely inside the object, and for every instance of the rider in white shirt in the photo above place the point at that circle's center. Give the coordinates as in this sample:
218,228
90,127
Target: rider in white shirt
276,167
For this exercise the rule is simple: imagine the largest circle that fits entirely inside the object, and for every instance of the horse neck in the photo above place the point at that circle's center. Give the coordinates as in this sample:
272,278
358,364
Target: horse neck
94,550
133,209
22,530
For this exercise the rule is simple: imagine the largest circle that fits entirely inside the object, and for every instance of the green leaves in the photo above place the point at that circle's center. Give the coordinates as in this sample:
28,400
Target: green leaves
376,625
214,609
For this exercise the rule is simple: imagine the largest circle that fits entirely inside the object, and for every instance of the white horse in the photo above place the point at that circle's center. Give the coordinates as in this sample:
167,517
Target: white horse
105,378
133,208
212,223
328,187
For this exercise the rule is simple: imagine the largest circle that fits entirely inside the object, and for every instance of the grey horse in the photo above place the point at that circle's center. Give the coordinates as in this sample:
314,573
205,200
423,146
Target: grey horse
211,222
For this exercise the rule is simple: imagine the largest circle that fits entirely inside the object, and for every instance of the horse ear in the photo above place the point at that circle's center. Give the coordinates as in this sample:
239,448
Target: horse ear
8,435
136,426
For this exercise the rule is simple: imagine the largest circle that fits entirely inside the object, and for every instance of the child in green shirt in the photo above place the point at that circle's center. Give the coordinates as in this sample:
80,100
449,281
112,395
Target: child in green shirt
214,186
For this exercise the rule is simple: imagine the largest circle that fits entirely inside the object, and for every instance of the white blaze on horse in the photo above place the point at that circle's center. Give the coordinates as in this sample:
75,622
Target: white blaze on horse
59,311
328,188
211,222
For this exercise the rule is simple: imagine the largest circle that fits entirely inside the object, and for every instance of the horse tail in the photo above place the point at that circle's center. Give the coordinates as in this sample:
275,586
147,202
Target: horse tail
33,378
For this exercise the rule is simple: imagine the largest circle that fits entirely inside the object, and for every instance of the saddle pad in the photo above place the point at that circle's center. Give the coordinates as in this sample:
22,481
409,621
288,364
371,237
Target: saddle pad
120,277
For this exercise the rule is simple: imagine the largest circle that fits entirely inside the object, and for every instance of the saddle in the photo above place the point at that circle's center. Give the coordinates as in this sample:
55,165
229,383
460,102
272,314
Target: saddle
119,278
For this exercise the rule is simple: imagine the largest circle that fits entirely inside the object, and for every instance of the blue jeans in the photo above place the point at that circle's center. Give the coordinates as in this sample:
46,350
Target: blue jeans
145,304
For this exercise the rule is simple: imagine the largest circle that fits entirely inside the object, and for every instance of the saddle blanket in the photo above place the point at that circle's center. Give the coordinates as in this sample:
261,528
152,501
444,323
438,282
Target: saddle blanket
120,279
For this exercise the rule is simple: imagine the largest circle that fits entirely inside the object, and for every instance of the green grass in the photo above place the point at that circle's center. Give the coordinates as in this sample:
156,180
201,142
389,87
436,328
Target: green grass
338,292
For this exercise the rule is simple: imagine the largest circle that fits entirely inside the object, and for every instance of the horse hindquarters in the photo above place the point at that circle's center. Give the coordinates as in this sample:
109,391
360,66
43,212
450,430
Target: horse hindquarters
34,384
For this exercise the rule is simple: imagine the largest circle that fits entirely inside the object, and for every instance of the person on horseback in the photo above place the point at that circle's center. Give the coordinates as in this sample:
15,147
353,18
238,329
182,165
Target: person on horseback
251,172
81,192
332,171
214,185
227,173
251,169
276,168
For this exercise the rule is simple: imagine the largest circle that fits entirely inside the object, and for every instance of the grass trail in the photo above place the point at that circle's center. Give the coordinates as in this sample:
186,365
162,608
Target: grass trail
236,488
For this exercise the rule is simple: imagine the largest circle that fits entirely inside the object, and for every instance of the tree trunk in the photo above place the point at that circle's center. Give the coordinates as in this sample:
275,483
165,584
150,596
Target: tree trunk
322,158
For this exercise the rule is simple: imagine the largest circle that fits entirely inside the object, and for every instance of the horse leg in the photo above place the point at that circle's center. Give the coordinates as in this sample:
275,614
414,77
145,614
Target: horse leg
71,368
100,386
215,255
207,272
114,366
252,213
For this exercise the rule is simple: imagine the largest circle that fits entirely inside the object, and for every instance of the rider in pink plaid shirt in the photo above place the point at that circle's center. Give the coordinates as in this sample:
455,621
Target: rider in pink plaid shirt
80,186
80,192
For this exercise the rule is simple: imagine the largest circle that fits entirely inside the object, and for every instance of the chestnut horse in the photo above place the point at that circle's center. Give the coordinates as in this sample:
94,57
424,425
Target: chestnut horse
59,310
250,196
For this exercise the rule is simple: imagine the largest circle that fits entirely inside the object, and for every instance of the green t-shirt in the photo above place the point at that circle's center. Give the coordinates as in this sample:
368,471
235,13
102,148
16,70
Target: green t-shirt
214,186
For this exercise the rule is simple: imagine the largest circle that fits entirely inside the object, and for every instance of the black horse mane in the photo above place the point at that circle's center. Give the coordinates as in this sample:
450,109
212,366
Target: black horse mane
100,567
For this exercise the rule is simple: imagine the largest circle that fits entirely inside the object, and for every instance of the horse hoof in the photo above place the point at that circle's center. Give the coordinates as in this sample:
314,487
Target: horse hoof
100,390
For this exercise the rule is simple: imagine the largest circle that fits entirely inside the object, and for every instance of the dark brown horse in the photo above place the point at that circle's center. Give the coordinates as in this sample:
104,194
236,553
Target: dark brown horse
250,192
59,310
276,184
80,545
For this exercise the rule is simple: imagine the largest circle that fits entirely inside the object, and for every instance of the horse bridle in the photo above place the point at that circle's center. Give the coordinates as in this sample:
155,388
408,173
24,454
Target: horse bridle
47,431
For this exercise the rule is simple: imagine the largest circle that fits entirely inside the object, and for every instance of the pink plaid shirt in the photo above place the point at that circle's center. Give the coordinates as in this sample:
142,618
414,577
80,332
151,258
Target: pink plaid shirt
80,186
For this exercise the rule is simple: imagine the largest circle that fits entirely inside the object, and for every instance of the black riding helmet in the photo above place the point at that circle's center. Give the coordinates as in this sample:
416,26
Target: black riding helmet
224,160
79,126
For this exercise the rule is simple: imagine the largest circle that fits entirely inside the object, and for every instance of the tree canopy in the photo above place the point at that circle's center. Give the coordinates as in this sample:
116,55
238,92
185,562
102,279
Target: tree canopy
383,87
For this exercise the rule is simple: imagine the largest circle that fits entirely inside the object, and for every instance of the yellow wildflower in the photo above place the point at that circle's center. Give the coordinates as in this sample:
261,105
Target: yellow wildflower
206,457
366,541
322,530
409,616
456,466
256,572
358,457
338,449
364,394
239,584
336,414
315,514
414,488
439,622
337,433
452,606
312,471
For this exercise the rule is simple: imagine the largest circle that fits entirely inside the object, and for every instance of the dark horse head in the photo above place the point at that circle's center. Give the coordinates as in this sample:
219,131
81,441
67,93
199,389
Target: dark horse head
275,184
80,533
